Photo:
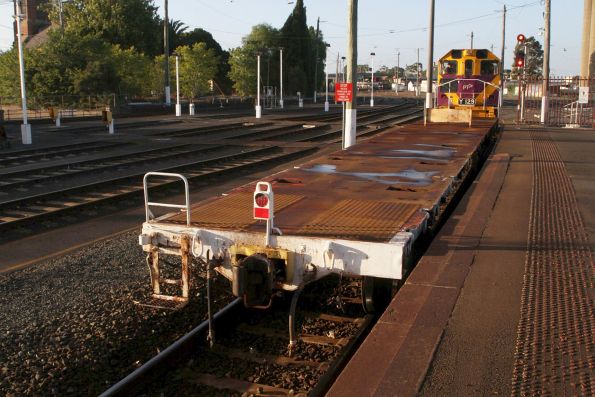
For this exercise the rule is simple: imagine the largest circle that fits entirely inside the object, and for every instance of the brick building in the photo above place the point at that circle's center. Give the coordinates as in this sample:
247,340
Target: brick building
35,20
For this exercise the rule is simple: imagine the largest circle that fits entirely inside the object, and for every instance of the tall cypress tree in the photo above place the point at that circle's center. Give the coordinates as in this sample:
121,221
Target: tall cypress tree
298,58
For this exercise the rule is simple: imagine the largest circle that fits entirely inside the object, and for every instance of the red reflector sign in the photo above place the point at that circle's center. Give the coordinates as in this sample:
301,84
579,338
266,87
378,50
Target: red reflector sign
261,213
263,201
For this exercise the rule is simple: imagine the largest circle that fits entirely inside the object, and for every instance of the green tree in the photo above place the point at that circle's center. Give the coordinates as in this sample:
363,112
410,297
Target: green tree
71,64
533,58
413,69
198,66
222,81
296,39
9,74
262,39
129,23
134,70
176,32
319,57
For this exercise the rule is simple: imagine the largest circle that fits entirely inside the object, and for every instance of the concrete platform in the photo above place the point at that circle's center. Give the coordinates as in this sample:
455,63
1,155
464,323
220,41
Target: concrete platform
502,302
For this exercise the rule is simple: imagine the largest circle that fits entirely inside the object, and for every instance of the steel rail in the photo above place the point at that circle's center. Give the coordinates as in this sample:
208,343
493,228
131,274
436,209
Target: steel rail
173,352
119,126
204,129
94,197
38,175
55,151
417,114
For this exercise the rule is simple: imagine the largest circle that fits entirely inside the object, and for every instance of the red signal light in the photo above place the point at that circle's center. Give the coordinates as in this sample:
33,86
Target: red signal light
520,38
261,200
520,62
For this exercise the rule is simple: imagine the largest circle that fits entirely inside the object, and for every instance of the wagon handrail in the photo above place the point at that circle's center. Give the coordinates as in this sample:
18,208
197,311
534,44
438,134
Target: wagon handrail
155,204
498,89
484,82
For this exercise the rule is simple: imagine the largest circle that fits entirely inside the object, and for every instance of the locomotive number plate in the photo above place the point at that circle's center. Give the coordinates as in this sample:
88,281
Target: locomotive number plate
466,101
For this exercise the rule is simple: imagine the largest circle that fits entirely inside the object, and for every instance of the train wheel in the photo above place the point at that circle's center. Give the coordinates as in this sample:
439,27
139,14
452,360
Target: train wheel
376,293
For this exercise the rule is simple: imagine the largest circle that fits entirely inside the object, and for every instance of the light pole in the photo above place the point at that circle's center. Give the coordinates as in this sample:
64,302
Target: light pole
178,105
546,64
25,127
316,60
281,77
166,53
398,66
372,54
417,88
343,67
351,106
258,107
430,67
326,105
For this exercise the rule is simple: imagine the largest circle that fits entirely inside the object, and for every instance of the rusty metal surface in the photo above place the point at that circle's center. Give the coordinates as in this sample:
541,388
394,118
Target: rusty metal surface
369,192
555,336
394,358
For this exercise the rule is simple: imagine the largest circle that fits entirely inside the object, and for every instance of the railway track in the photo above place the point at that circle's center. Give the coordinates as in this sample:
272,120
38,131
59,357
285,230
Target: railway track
34,195
22,157
363,113
209,129
23,179
250,354
120,126
39,207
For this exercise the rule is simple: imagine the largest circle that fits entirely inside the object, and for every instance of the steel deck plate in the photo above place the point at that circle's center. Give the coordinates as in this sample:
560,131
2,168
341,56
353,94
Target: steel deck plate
369,192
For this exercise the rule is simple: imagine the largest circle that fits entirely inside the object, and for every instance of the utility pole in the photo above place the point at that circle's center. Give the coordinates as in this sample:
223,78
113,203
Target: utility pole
258,107
25,127
60,13
351,107
502,55
591,38
316,60
546,63
281,77
418,72
586,38
337,77
430,70
372,91
178,104
166,53
326,105
471,40
398,66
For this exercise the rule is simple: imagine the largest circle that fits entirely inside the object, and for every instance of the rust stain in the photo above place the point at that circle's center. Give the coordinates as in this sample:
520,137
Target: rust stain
369,192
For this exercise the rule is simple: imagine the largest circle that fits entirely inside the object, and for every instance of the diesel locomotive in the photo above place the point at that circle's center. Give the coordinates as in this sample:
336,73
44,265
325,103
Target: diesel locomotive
469,79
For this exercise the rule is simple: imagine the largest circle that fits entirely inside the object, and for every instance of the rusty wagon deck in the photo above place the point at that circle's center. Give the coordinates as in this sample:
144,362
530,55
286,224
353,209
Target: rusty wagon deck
356,211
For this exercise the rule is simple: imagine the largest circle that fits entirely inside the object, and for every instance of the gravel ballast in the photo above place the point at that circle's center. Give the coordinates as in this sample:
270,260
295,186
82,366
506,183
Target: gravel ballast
70,326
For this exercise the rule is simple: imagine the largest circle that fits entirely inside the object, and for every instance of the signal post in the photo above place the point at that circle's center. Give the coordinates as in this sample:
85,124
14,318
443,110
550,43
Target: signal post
351,105
519,62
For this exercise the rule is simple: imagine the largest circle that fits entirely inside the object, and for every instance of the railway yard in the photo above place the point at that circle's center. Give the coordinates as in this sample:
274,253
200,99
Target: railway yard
83,312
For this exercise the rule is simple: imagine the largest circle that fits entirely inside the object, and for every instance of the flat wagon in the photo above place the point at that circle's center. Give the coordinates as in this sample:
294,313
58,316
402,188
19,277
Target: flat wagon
356,212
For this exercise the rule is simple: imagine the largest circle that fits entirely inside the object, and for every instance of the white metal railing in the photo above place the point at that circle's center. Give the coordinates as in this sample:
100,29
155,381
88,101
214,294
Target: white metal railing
485,83
148,214
576,111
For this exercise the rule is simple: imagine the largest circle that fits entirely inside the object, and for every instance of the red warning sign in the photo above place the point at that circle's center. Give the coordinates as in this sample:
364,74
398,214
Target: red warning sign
344,92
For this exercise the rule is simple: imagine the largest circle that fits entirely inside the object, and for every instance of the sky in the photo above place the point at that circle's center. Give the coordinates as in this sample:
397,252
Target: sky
385,27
